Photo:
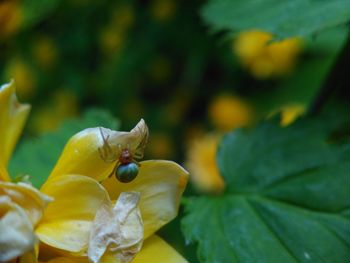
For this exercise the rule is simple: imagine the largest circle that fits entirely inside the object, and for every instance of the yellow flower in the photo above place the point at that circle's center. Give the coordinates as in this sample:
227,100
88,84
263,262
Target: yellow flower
21,208
201,162
111,42
123,17
163,10
264,59
21,205
113,36
93,153
160,145
96,217
10,17
45,52
228,112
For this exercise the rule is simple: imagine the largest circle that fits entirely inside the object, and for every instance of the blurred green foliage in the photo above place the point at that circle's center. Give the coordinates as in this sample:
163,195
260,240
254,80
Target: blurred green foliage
286,198
283,19
150,59
158,60
113,53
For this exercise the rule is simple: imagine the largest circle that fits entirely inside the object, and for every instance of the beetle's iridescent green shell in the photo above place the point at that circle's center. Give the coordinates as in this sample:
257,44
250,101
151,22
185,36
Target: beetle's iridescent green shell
125,173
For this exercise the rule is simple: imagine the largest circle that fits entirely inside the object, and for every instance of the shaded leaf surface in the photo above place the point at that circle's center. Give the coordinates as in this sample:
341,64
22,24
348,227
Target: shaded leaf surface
283,18
36,157
286,200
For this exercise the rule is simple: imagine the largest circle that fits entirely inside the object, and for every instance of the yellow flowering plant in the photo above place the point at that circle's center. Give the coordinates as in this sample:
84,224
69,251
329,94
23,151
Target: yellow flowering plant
82,213
227,112
264,59
201,162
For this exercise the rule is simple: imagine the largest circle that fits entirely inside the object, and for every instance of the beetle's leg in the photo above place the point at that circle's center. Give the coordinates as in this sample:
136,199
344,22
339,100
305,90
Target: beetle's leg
134,161
138,155
107,153
113,171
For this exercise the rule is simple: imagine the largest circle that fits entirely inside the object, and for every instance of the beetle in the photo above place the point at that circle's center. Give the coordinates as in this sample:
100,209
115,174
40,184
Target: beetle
126,168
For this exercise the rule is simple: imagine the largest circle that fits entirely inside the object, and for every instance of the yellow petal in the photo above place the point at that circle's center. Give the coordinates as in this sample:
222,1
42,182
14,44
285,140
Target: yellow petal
65,259
117,231
30,199
156,250
51,254
70,260
62,260
93,152
30,257
109,258
161,184
67,221
17,236
4,176
12,119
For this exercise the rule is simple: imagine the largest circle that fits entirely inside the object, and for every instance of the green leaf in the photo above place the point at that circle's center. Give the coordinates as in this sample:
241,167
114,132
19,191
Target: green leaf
36,157
287,198
282,18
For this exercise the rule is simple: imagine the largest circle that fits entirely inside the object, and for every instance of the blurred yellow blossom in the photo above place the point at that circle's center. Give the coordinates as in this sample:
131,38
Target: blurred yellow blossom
264,59
111,41
26,82
227,112
10,17
45,51
113,35
93,216
163,10
123,17
201,162
176,109
160,146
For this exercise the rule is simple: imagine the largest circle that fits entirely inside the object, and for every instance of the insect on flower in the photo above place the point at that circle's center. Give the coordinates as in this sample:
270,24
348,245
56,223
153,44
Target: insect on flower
127,167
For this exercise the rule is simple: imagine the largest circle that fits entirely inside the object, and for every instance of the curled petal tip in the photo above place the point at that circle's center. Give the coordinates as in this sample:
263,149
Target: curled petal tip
12,119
